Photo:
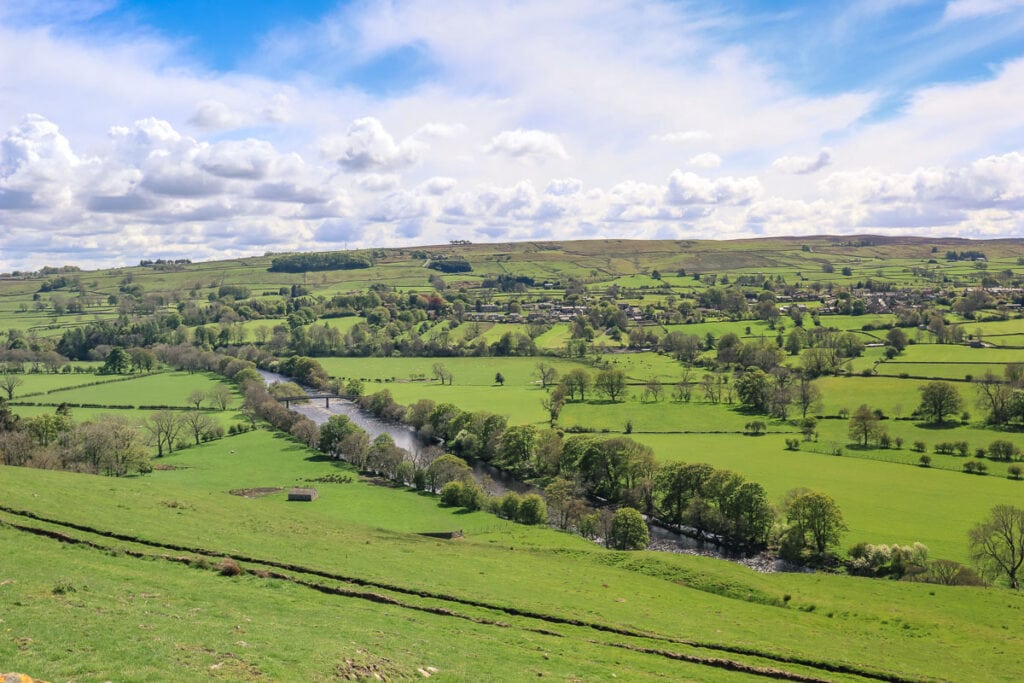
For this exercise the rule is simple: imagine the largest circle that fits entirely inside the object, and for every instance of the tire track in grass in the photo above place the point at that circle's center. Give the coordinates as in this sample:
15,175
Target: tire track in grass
443,597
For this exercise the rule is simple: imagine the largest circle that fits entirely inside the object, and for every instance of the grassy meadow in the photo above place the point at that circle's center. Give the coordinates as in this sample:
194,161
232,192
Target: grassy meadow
159,615
120,578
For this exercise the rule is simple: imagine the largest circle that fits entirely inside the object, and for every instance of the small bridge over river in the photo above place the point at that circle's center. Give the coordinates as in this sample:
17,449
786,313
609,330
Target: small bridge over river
306,398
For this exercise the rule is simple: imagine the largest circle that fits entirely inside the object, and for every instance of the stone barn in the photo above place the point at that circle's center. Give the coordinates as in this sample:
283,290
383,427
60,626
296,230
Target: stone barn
305,495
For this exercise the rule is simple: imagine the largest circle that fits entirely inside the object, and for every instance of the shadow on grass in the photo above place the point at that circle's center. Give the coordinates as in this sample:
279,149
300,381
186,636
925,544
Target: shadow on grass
939,426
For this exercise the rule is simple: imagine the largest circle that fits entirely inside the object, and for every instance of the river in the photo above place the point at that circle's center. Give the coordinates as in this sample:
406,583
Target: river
495,481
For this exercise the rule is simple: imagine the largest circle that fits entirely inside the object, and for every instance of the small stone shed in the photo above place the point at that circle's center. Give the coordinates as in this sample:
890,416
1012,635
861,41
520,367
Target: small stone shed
301,494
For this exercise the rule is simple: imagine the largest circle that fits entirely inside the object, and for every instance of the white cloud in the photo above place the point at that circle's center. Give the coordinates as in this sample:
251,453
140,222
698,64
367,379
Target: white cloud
377,182
37,166
705,160
439,185
367,146
689,188
803,165
564,186
526,144
214,115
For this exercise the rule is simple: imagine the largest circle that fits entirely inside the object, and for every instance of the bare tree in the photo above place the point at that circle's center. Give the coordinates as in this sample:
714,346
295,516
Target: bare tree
221,396
997,544
198,423
163,426
197,397
548,374
9,383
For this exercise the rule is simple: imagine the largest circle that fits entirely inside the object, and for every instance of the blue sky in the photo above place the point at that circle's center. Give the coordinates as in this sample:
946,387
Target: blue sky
199,129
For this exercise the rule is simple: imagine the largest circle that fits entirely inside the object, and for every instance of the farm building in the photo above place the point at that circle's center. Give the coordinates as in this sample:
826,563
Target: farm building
301,494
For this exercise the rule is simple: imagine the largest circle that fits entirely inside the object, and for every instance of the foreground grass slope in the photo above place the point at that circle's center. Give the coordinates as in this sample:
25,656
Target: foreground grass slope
191,619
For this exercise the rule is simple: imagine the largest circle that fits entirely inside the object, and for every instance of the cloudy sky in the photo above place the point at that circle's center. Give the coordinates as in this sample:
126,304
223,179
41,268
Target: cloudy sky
201,129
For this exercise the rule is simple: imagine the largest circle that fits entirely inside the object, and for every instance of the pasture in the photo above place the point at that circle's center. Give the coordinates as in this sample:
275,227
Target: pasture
194,620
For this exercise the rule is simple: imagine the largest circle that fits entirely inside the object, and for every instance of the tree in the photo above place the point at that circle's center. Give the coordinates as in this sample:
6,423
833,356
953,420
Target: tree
553,403
611,383
199,423
515,447
196,398
221,396
939,399
897,339
163,426
442,373
333,433
445,469
629,530
118,361
815,521
753,389
125,452
653,389
996,396
997,544
1001,449
548,375
577,380
863,424
306,431
532,510
9,382
806,394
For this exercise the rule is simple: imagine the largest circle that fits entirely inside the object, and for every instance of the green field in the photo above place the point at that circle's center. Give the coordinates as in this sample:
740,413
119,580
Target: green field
197,619
116,578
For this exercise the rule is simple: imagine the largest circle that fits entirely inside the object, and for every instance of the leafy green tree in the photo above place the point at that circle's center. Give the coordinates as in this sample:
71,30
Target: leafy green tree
611,383
532,510
578,381
896,338
445,469
754,390
939,399
629,530
863,424
815,521
118,362
675,485
515,450
333,433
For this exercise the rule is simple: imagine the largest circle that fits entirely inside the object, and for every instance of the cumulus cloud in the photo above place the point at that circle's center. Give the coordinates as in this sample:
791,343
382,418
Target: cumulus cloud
562,187
803,165
378,182
214,115
526,144
367,146
690,188
37,165
439,185
706,160
248,159
994,181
